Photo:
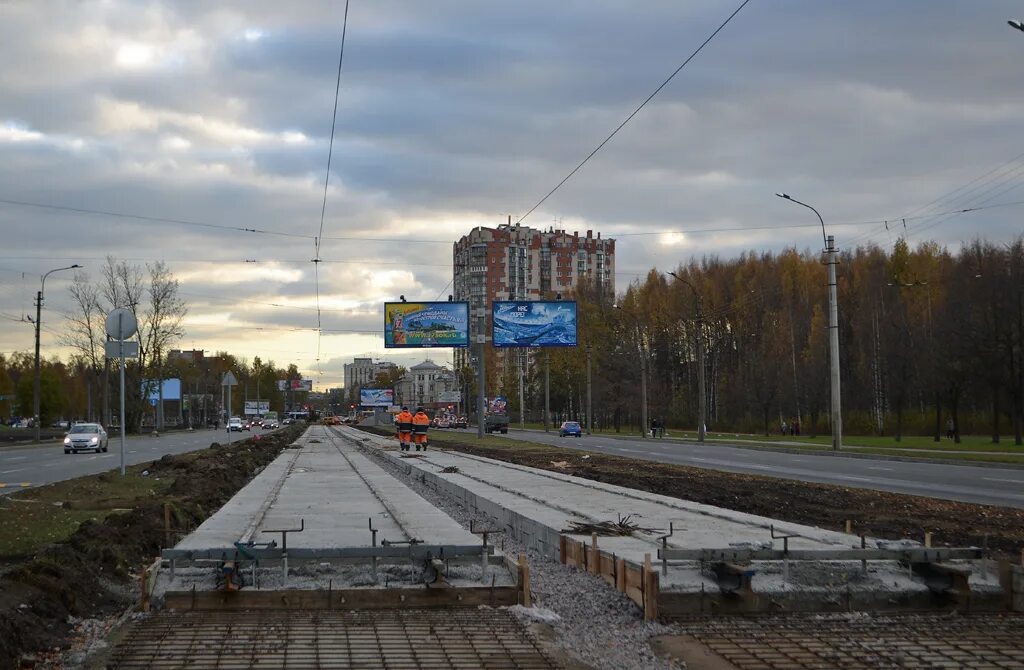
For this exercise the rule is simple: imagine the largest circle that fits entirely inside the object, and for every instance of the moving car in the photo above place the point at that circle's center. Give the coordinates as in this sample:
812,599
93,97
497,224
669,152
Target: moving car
269,424
570,428
460,422
235,424
86,437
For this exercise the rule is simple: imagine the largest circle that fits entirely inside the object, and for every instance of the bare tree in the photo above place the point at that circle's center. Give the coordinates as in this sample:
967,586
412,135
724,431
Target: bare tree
161,323
85,333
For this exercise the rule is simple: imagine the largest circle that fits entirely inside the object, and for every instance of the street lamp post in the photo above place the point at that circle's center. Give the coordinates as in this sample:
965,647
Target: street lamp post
701,388
643,371
1019,25
833,325
39,316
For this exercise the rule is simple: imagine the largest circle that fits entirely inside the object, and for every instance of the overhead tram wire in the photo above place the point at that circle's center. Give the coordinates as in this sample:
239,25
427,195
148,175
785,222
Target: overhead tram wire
327,181
635,111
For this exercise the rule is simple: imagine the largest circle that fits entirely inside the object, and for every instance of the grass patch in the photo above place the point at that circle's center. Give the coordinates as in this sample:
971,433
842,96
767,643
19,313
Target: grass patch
47,514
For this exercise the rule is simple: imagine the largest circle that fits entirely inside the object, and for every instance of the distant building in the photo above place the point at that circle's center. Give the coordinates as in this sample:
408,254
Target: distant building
194,356
423,385
362,371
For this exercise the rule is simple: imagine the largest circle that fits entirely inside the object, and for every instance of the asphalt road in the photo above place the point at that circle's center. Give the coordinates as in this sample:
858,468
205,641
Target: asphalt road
988,485
23,467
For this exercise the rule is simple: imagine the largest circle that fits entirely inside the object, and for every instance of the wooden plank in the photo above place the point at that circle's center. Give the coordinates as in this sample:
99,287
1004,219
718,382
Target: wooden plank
594,560
635,594
561,549
345,599
651,588
524,580
620,575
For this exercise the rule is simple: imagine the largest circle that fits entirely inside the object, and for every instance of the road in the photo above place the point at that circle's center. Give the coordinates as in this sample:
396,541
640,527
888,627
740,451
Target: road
23,467
988,485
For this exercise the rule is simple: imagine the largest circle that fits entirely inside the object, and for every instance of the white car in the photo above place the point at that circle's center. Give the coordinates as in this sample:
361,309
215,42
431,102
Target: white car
86,437
235,424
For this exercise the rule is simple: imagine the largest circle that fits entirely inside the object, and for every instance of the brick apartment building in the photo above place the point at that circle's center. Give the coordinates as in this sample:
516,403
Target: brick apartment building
513,262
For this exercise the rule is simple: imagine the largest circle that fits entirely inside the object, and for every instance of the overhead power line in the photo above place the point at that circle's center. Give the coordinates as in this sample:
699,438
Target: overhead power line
635,111
143,217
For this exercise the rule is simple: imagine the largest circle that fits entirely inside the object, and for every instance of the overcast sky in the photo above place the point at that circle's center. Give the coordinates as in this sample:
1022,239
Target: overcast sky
457,114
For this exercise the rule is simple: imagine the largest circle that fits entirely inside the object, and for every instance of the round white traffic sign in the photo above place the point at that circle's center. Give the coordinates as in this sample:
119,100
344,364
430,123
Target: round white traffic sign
121,324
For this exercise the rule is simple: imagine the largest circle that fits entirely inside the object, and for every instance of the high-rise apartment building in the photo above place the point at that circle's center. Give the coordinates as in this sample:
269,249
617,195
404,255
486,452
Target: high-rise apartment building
513,262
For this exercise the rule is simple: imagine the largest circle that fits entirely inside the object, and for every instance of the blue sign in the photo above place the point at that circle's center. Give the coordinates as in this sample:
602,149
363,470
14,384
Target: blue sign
534,324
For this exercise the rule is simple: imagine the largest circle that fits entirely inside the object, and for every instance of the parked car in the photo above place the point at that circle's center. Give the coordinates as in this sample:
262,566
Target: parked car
235,424
570,428
86,437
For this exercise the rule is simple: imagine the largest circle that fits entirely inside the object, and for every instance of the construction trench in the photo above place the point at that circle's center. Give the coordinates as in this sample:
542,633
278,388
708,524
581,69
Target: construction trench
327,559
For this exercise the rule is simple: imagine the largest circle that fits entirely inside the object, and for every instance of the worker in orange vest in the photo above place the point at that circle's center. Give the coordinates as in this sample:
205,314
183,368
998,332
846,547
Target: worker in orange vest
404,422
420,424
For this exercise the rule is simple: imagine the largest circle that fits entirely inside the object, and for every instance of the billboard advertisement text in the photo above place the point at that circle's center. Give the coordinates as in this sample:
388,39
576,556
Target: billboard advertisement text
534,323
426,324
376,397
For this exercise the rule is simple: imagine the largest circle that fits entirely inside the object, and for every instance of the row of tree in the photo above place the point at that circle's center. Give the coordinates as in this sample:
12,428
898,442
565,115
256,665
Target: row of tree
928,338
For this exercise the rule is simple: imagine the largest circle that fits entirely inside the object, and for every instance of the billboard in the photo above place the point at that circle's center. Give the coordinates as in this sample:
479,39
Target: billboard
151,389
376,397
256,407
533,324
449,396
426,324
295,385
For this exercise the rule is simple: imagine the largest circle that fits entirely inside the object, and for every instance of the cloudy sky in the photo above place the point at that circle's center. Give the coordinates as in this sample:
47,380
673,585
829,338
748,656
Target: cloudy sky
458,114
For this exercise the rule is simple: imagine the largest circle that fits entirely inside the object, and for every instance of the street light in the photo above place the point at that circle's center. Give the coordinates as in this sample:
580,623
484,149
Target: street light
833,325
1019,25
643,370
39,316
701,389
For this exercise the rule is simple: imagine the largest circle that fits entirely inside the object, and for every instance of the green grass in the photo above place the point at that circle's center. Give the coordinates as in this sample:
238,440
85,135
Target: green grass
43,515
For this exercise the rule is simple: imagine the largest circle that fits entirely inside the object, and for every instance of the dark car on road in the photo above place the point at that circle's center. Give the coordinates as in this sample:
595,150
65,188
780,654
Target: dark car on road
570,428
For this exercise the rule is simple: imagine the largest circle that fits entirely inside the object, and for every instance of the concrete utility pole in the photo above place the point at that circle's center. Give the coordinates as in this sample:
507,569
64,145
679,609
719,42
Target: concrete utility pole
39,317
641,349
702,396
590,405
547,391
833,325
522,400
481,379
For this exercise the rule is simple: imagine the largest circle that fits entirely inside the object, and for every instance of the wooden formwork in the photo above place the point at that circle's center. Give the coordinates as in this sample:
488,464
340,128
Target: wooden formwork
639,583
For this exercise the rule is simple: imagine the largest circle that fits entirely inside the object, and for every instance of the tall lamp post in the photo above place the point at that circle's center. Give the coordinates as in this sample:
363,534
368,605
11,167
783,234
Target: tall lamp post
1019,25
39,316
643,370
833,324
701,389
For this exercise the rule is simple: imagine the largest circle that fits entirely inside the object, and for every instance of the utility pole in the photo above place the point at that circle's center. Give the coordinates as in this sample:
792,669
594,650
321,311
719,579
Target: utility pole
481,379
522,380
643,387
702,396
833,330
590,406
833,325
39,315
547,390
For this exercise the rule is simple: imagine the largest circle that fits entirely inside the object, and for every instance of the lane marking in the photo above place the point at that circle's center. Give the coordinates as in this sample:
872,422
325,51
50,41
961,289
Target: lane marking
16,458
7,472
881,468
1010,481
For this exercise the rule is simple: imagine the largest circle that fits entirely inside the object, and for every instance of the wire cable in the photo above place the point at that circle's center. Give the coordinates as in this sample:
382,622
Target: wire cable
635,111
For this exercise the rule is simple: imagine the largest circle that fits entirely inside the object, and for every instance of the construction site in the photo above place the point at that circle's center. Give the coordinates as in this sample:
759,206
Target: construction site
345,552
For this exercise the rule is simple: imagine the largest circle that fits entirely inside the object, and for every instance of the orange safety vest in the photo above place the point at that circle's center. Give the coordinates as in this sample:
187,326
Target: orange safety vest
405,422
421,422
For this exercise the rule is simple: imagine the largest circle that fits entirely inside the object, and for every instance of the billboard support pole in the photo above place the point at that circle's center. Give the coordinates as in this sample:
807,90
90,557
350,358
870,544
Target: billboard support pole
522,374
547,390
480,401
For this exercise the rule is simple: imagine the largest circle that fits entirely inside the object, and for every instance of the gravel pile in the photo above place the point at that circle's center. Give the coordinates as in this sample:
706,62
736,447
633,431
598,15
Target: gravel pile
592,622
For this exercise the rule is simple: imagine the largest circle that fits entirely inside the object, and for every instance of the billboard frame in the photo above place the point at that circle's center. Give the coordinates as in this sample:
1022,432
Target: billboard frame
392,345
389,403
494,309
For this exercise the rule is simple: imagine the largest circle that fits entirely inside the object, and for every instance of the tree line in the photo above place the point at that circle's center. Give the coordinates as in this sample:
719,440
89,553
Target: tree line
929,338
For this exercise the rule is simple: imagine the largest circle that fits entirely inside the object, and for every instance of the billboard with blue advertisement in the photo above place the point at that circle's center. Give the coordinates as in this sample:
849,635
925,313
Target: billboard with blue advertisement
534,323
151,390
426,324
376,397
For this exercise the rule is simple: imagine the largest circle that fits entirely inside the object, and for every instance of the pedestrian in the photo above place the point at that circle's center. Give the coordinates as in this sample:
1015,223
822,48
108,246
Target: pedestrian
950,429
420,424
654,428
783,426
796,427
404,423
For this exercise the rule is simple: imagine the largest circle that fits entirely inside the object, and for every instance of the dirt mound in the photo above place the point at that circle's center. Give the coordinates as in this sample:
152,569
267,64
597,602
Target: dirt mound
91,573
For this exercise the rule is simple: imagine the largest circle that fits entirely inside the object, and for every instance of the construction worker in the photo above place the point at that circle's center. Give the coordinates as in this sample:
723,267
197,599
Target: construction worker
404,421
420,424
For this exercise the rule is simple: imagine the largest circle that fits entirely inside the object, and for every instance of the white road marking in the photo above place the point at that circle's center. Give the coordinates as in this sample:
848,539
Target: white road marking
16,458
6,472
1011,481
880,468
854,479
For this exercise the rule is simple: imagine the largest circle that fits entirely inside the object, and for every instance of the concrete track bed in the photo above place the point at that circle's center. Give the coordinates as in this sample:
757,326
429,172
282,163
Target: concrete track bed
355,538
537,507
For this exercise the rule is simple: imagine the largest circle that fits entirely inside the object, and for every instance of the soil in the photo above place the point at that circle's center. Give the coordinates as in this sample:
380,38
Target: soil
874,513
93,573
